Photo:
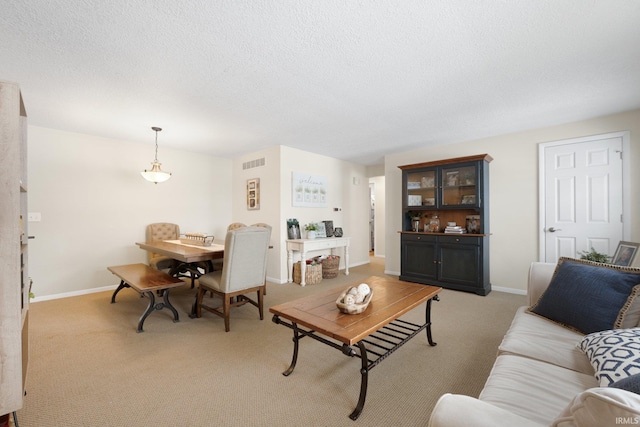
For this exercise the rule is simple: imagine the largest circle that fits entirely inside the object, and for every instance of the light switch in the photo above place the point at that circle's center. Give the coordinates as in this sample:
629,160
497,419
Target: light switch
34,217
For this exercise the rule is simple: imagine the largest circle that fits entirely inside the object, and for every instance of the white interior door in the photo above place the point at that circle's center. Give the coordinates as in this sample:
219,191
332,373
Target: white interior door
582,197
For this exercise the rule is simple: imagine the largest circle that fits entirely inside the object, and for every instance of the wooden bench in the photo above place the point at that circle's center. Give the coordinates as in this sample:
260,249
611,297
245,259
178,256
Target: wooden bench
146,281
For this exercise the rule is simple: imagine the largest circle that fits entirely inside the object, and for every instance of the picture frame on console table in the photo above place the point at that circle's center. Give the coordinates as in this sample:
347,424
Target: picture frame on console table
626,254
321,230
293,229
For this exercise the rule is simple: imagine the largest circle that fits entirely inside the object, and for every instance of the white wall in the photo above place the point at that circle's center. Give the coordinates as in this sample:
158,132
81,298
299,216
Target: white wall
95,205
276,207
513,191
269,211
348,189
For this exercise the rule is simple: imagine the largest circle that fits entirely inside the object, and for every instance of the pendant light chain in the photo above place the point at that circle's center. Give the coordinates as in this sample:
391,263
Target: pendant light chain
157,130
155,174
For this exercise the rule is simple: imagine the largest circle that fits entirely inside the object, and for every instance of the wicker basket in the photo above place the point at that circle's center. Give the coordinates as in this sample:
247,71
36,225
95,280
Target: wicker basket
196,239
312,274
330,267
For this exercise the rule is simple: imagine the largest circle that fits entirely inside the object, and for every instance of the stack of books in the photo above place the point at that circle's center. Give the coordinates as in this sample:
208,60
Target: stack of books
455,229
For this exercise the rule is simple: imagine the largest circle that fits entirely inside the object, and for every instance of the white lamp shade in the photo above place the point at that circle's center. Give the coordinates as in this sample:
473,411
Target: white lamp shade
156,174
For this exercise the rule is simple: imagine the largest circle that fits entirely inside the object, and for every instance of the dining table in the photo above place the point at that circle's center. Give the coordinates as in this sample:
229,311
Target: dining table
185,255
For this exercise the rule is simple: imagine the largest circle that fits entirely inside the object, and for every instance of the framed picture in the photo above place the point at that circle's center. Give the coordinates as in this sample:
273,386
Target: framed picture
328,226
253,194
321,231
293,229
308,190
625,254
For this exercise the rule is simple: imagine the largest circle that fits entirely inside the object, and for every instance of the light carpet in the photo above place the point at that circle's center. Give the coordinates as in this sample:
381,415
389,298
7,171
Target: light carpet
89,367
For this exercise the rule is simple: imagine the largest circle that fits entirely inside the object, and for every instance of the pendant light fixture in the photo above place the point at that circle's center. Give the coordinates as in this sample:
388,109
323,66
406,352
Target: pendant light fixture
156,174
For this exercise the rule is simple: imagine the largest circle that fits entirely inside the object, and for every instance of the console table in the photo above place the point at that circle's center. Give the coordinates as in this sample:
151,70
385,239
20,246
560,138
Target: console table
308,245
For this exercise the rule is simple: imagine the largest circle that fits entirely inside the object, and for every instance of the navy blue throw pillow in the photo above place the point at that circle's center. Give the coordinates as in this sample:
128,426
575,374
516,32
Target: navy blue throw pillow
586,296
631,383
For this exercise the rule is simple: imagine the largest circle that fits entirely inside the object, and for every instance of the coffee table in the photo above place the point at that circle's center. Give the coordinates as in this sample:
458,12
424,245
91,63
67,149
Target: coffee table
371,335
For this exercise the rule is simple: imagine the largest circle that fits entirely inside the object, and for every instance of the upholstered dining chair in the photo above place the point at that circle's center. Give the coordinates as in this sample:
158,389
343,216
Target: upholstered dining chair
169,231
217,263
265,225
244,270
235,225
161,231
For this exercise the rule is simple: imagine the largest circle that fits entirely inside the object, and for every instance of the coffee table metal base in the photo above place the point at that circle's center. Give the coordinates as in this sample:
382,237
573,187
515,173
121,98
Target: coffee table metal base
381,344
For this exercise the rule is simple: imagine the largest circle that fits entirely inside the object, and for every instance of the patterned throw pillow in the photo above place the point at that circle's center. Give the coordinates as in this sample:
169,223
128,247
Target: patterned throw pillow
589,297
614,354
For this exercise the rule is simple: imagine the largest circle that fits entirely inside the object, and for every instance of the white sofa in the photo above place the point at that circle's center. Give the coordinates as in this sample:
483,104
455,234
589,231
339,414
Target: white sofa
540,378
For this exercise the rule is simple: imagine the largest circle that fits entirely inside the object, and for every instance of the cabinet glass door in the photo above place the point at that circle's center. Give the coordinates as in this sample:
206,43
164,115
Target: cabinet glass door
459,186
421,188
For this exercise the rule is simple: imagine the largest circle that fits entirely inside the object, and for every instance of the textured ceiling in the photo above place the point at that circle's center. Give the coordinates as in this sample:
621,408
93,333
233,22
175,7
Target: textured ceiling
350,79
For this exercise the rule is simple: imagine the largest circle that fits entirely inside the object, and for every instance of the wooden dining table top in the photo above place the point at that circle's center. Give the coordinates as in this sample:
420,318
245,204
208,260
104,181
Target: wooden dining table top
391,299
183,252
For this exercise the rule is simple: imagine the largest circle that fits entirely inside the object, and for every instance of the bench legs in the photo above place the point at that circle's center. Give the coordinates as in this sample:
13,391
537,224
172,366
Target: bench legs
152,304
157,306
118,289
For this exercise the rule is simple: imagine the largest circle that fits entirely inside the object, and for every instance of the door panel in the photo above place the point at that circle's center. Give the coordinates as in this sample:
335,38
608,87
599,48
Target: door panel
583,196
418,259
460,263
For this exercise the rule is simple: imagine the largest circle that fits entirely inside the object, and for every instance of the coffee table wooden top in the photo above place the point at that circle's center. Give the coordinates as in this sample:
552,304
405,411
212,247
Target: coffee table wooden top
391,299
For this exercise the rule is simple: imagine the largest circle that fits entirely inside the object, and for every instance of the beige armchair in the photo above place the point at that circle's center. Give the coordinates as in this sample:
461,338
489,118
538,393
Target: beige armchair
244,270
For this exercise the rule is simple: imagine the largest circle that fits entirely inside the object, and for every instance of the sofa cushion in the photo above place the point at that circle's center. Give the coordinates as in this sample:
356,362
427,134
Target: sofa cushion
456,410
533,389
631,383
541,339
600,406
614,354
587,296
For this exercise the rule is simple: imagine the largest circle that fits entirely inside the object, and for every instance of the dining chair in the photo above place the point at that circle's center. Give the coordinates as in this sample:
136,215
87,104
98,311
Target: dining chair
217,263
169,231
244,270
265,225
235,225
161,231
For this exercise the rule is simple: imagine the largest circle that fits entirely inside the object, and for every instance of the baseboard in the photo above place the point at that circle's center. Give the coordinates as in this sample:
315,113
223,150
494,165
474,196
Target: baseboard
357,264
278,281
74,293
509,290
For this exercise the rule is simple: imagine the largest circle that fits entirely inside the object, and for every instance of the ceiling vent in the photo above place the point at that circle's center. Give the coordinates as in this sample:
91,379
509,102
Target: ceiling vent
253,163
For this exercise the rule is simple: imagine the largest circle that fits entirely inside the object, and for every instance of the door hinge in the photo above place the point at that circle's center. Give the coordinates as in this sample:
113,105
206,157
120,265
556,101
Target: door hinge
620,153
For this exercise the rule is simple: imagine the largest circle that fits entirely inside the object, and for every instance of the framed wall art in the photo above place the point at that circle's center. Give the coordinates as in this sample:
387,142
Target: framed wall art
308,190
253,194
